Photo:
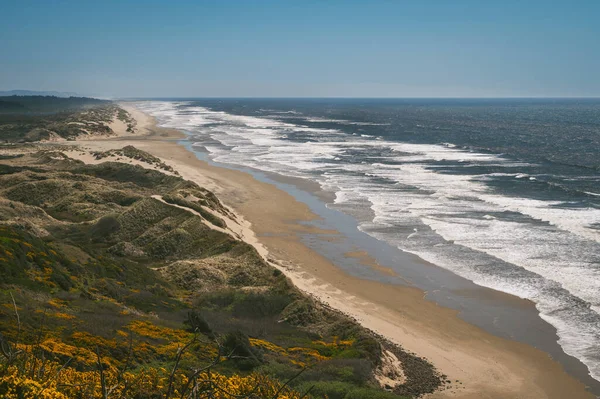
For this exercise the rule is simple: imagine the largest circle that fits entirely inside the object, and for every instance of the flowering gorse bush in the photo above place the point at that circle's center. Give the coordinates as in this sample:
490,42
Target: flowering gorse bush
28,376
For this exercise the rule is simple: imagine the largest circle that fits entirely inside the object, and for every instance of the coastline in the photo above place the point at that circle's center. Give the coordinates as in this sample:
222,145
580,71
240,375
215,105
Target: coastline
486,366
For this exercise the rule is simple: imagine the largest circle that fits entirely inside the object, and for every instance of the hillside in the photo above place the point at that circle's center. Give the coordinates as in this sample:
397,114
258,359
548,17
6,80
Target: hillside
121,280
35,118
46,104
37,93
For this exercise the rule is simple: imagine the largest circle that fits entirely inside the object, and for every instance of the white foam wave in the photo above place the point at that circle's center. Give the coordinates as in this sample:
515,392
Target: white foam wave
342,121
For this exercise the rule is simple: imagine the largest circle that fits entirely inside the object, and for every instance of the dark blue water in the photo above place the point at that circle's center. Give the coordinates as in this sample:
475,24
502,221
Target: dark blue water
505,193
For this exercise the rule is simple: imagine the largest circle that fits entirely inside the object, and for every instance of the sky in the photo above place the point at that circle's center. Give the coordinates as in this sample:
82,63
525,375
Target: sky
306,48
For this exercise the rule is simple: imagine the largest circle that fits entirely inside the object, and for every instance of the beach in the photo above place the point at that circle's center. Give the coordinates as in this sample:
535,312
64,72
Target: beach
476,363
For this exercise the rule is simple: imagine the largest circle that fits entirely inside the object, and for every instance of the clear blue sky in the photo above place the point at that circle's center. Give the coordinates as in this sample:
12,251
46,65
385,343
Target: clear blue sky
284,48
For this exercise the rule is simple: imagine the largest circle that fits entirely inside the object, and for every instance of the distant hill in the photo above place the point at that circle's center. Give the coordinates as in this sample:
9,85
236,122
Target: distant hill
37,93
45,104
11,106
33,118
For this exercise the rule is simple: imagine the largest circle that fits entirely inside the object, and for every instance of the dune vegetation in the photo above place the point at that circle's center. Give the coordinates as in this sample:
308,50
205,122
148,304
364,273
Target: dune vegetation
33,118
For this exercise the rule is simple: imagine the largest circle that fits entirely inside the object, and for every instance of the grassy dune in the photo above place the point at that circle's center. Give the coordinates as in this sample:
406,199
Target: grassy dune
33,118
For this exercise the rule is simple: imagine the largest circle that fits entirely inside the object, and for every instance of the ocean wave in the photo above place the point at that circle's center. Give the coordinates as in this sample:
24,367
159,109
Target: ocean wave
315,119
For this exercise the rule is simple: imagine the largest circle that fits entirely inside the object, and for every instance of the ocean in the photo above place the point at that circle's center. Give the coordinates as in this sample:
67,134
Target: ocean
502,192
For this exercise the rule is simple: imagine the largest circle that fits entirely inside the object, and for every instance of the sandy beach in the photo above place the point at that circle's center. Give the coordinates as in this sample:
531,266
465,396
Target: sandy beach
477,364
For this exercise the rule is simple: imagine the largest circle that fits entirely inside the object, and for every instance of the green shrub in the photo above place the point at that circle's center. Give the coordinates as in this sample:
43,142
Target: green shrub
104,227
343,390
329,389
258,305
219,299
280,371
370,393
301,313
356,371
197,323
348,353
236,346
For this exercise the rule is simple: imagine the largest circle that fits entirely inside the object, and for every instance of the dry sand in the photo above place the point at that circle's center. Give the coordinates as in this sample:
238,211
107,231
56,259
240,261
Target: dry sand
486,366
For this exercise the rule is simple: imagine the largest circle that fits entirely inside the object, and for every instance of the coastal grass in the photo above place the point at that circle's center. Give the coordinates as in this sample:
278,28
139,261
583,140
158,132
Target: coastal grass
33,118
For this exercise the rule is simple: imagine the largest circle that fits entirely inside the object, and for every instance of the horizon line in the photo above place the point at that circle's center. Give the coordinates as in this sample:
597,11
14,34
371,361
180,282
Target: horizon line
361,98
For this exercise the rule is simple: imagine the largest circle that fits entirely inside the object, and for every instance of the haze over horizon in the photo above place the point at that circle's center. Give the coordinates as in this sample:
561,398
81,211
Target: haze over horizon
309,49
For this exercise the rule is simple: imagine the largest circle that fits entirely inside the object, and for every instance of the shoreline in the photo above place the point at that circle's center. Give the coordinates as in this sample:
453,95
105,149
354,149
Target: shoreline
487,366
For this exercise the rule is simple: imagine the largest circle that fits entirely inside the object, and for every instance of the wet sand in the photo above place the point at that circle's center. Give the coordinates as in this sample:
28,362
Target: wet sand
486,365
